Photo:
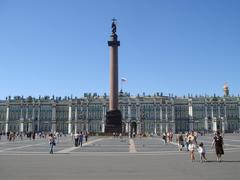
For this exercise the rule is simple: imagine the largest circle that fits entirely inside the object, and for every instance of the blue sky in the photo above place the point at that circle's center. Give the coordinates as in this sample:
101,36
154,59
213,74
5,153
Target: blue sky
60,47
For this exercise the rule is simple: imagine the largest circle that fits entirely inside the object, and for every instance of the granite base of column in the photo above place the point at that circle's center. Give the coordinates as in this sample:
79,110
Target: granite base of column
113,122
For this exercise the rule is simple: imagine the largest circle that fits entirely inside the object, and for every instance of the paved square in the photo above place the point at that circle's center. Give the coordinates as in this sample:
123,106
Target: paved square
113,158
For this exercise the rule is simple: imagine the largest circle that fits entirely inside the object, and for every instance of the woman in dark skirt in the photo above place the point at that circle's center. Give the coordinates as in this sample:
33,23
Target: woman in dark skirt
218,143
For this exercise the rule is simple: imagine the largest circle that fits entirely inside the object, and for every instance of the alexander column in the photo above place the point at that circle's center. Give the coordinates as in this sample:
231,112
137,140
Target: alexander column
113,116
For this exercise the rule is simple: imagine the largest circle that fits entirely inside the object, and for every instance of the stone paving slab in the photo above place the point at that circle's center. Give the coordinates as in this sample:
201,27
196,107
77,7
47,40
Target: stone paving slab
106,145
153,144
109,159
117,167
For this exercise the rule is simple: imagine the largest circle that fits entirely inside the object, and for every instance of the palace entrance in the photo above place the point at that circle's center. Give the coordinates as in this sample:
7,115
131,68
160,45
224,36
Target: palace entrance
133,129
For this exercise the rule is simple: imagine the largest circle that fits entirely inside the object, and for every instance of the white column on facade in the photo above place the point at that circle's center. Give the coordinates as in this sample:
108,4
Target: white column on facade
53,129
212,115
26,115
21,125
123,113
213,119
38,117
82,121
70,119
214,122
161,119
219,116
138,119
103,117
28,119
155,118
206,118
137,113
223,124
86,121
221,119
238,116
190,114
166,117
33,117
129,118
7,119
225,118
76,120
219,111
173,119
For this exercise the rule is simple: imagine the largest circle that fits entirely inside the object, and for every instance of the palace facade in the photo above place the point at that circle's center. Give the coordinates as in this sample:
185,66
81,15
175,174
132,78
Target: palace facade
142,114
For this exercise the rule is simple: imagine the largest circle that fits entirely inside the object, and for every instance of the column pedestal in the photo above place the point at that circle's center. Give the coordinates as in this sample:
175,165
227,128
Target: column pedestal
113,122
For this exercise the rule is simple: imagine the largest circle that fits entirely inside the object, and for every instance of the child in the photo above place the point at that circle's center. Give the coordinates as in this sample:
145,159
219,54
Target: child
191,148
202,152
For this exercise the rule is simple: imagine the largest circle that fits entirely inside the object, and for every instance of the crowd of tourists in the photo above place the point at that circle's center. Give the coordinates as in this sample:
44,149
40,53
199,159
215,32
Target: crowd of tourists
167,137
187,141
190,143
12,136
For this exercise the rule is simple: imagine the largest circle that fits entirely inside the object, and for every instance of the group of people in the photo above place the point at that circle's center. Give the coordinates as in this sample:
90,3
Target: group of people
167,137
190,141
78,138
12,136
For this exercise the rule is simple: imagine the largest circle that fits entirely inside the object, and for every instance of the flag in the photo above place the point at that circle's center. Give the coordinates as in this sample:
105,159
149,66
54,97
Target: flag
123,79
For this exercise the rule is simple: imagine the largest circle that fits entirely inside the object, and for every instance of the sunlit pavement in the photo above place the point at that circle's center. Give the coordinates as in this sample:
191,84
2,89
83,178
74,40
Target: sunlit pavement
112,158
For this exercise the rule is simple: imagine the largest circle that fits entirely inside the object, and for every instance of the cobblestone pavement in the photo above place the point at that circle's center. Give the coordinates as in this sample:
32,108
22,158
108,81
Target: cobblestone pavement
113,158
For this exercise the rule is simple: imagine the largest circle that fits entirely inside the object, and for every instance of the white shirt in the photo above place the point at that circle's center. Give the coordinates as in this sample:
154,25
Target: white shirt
76,136
191,147
201,150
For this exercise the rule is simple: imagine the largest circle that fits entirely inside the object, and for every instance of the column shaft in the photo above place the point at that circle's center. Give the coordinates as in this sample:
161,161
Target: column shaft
113,98
7,119
53,129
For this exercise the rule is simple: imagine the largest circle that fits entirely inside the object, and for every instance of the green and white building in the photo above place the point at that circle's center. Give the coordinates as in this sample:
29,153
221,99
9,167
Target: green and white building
142,114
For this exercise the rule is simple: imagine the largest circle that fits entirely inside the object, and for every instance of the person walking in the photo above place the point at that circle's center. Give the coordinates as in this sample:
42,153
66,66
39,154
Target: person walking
164,137
80,139
76,136
186,140
218,143
191,148
202,152
51,141
86,136
180,141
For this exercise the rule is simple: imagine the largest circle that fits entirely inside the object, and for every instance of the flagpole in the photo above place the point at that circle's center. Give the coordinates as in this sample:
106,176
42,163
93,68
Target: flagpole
122,81
121,86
